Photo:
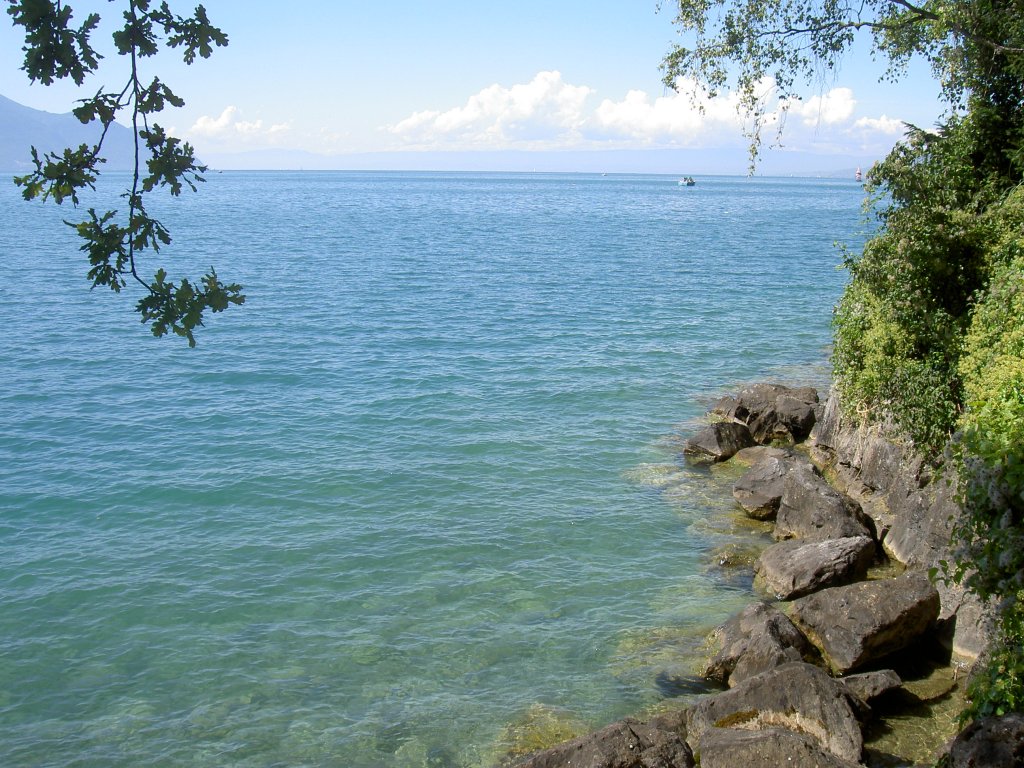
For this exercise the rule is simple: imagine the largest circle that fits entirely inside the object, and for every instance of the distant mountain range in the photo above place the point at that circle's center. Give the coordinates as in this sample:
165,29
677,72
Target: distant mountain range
22,128
723,162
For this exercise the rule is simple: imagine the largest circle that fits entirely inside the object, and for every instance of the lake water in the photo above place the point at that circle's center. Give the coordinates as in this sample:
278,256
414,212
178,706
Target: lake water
416,503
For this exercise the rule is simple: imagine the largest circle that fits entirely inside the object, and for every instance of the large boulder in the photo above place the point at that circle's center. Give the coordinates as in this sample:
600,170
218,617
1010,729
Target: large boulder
759,490
773,412
859,623
758,638
798,567
810,508
768,748
718,441
629,743
797,697
992,742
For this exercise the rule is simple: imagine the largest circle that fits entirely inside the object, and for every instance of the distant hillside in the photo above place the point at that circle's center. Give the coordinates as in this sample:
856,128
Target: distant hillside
22,127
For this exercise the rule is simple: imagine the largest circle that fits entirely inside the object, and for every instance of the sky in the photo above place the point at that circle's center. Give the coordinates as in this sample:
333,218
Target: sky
525,79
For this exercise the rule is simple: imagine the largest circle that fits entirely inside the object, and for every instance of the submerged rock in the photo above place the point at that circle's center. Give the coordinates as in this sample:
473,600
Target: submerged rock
796,568
860,623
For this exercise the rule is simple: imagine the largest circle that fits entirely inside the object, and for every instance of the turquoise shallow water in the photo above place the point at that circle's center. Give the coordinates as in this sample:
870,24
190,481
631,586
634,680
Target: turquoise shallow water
424,486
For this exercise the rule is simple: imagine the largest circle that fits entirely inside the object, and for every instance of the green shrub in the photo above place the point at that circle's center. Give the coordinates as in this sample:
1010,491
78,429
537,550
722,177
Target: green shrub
989,538
998,687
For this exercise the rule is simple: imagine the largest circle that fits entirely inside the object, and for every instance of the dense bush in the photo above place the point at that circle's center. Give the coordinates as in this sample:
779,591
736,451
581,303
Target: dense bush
900,325
929,336
990,535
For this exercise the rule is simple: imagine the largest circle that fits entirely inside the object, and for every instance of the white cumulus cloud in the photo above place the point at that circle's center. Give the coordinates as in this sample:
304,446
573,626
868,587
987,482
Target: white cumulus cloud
884,125
549,112
833,108
543,110
684,117
227,125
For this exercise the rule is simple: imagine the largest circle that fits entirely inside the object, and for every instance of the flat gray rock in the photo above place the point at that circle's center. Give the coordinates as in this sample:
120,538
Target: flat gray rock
797,697
797,567
860,623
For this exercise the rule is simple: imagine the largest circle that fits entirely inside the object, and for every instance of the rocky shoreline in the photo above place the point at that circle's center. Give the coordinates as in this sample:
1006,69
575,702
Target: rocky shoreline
806,667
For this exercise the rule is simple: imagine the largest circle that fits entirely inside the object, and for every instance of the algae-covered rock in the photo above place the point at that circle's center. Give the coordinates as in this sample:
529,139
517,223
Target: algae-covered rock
867,686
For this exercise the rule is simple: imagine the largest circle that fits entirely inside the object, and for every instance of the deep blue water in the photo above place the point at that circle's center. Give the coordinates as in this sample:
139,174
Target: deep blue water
420,497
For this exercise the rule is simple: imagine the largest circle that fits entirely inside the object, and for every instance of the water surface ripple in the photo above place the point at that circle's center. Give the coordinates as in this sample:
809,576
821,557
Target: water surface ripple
424,483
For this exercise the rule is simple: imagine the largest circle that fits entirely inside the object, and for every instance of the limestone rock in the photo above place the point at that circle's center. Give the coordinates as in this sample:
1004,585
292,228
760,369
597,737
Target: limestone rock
718,442
756,453
922,525
629,743
798,697
772,411
759,490
753,641
769,748
992,742
811,509
797,567
970,623
859,623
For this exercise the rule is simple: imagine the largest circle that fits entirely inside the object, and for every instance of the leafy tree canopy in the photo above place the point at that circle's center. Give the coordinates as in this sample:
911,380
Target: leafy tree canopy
58,46
745,44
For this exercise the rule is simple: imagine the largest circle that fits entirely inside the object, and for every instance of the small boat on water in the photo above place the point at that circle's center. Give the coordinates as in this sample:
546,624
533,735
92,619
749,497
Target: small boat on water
687,181
858,176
